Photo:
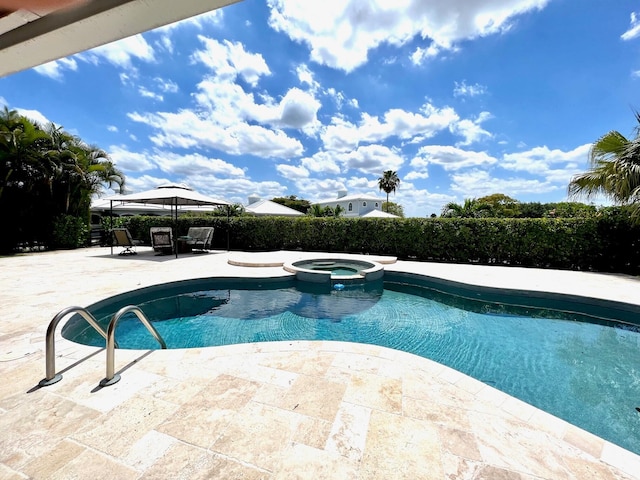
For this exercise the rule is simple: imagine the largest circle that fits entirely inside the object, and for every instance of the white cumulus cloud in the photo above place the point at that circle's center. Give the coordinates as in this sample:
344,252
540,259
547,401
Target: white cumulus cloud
341,33
462,89
342,135
229,60
299,109
538,160
144,92
34,116
129,161
479,183
187,129
371,159
122,52
321,163
470,129
555,165
634,28
292,171
450,158
56,68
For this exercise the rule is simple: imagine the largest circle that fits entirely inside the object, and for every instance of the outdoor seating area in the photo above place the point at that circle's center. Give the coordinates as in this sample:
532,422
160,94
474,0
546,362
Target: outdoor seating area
162,240
199,239
121,237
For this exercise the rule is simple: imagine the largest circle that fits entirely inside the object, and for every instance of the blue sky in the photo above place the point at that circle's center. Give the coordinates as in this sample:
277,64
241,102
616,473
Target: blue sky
275,97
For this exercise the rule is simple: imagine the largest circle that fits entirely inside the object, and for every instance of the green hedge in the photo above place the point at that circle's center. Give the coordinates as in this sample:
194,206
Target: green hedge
607,243
69,232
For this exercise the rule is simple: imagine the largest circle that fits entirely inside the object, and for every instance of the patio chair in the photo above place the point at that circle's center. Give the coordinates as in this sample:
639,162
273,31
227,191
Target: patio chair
162,239
122,238
200,238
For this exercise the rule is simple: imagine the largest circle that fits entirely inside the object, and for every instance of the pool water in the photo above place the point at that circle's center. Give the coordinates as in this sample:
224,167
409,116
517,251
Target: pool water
340,271
581,369
338,267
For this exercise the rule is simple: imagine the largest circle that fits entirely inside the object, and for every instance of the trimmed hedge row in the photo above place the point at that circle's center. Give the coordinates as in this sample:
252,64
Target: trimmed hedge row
607,243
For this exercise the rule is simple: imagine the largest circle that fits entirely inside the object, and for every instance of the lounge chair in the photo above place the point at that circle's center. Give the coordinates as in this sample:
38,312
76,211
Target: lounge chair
162,239
122,238
200,238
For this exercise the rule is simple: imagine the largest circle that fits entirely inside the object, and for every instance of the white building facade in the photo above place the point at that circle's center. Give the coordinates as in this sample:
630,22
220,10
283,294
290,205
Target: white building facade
353,205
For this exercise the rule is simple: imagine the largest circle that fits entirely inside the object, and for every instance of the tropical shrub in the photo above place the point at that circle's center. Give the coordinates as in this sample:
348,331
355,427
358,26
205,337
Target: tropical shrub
69,232
46,172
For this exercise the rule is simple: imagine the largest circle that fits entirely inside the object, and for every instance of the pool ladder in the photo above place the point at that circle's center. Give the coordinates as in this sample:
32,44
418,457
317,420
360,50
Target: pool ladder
110,336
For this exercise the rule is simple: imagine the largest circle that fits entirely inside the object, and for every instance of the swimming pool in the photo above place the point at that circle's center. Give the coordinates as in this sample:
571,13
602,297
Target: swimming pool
584,369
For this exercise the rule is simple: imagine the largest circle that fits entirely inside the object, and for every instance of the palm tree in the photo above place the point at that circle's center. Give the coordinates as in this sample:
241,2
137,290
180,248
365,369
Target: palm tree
80,170
46,172
471,208
20,153
315,210
614,170
389,182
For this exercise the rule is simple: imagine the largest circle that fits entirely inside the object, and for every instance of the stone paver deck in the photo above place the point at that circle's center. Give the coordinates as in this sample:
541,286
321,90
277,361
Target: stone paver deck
281,410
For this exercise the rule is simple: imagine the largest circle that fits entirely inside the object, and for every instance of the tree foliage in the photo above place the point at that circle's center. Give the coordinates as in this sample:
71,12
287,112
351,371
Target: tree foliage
317,211
393,208
471,208
46,173
293,202
570,210
502,206
499,205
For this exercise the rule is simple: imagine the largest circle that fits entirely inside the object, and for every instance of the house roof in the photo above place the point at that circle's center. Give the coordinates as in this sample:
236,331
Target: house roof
378,214
351,198
32,37
267,207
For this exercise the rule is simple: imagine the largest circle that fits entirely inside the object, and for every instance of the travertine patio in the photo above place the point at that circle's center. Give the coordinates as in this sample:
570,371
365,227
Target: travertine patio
267,410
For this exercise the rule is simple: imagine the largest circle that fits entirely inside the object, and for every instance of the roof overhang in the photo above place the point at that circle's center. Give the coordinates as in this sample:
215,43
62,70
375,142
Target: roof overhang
30,38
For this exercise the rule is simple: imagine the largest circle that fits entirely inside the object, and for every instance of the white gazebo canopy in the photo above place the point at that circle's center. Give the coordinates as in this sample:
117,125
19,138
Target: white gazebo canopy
172,195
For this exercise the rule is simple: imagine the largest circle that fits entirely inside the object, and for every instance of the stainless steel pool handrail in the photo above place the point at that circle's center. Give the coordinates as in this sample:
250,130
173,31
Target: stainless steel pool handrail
50,347
111,377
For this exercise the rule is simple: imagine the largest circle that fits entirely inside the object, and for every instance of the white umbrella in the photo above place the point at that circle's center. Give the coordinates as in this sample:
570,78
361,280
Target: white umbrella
172,195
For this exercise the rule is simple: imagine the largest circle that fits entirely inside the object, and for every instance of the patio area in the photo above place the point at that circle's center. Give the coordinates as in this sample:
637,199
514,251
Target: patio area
279,410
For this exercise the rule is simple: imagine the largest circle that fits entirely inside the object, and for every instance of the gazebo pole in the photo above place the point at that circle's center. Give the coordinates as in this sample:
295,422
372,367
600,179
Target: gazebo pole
111,226
175,222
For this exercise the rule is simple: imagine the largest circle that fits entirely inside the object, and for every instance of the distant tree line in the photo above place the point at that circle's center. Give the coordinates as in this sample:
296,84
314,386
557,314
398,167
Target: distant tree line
47,178
294,202
499,205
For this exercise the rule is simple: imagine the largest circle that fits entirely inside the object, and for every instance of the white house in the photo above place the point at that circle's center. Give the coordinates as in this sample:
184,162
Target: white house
355,205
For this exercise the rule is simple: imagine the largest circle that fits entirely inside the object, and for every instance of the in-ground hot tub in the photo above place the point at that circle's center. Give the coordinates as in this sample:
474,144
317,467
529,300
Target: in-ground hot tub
343,270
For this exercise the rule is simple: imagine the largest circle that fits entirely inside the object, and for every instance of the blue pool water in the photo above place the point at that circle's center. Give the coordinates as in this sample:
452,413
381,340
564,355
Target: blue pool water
583,369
